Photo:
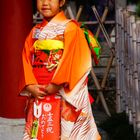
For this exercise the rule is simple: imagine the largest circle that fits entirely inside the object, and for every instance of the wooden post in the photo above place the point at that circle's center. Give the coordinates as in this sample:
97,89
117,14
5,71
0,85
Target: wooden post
120,3
15,25
138,69
118,99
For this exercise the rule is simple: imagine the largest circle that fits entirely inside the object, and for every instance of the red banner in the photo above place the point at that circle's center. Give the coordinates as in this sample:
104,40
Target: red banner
43,119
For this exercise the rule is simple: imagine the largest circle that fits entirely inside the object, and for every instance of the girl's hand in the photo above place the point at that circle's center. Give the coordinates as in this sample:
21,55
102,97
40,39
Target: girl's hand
52,88
37,91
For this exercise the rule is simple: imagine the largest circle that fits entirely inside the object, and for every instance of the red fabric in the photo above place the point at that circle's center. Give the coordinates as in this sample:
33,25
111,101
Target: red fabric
49,121
42,75
91,98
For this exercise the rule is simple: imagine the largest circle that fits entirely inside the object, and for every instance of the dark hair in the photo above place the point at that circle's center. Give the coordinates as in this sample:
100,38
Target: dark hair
34,6
64,6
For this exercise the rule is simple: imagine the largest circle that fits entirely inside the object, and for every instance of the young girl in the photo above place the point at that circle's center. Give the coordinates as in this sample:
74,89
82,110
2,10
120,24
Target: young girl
56,63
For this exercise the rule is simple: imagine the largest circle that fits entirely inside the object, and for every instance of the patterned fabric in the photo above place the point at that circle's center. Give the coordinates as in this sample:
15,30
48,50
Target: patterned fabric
49,46
77,121
69,66
53,29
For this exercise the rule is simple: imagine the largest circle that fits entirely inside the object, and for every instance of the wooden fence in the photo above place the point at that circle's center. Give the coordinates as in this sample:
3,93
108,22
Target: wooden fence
128,66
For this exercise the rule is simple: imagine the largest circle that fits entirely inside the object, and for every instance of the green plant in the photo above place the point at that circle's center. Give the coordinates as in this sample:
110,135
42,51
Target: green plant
138,9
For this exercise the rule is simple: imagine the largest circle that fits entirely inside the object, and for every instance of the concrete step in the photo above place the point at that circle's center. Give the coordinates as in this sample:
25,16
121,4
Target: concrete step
11,129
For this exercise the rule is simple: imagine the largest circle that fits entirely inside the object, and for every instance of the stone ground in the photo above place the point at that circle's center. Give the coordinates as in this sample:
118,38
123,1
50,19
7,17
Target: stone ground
12,129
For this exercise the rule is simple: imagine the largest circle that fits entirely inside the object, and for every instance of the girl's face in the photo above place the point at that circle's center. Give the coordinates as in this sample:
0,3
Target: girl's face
49,8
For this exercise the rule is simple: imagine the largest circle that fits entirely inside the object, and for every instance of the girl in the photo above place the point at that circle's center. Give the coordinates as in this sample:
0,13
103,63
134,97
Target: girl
56,63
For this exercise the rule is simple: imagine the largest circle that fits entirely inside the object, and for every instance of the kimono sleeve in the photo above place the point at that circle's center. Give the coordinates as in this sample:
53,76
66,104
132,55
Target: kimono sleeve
27,76
76,59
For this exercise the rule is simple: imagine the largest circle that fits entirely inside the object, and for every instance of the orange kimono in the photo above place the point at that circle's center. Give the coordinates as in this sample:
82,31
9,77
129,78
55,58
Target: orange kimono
57,52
